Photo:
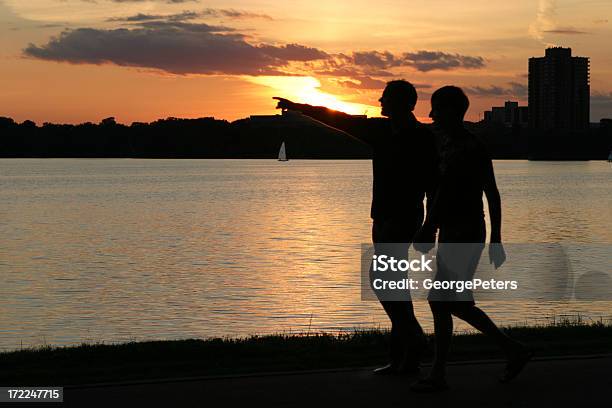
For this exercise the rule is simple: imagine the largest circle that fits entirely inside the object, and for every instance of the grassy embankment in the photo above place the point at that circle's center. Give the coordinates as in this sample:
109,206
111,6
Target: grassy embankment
92,363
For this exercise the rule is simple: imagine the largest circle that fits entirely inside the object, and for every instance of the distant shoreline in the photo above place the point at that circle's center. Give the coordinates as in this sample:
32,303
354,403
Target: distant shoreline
253,138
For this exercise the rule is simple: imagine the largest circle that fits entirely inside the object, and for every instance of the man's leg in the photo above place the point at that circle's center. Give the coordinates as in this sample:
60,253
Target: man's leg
443,327
407,337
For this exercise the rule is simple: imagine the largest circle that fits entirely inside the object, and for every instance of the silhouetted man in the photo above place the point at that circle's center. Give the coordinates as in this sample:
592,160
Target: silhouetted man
404,168
465,172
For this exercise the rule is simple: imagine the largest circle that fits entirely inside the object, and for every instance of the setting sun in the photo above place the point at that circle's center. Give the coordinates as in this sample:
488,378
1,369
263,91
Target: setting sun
305,89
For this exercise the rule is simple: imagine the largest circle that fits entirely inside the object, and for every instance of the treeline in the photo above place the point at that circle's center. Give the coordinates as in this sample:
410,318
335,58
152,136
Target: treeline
260,137
179,138
169,137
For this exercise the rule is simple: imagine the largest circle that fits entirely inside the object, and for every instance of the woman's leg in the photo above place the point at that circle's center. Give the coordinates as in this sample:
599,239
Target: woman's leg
517,354
476,317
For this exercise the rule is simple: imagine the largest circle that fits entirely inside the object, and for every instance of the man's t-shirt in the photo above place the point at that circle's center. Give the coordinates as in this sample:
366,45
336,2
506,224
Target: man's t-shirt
404,167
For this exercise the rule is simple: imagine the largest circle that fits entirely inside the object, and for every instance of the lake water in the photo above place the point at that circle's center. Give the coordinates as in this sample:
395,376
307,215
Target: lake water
105,250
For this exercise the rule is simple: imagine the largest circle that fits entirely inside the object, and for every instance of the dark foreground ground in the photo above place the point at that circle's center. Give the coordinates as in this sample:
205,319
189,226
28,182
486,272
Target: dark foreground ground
573,367
149,361
569,382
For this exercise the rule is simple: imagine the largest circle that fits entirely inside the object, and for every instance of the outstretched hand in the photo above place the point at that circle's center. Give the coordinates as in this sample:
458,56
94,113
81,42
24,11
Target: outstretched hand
283,103
497,254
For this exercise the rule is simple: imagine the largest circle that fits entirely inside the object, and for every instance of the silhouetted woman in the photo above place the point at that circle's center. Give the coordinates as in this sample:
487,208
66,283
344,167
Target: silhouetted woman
466,171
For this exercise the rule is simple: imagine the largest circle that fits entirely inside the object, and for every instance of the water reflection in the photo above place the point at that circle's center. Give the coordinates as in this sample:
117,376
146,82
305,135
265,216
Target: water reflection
114,250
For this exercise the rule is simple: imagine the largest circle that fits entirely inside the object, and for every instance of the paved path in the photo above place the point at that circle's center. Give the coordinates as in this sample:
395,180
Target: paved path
584,382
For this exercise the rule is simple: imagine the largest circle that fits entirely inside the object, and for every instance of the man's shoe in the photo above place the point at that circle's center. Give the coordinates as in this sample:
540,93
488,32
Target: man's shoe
389,369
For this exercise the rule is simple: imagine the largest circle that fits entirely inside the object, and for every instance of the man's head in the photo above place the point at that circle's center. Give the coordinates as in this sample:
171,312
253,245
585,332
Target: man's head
398,98
449,105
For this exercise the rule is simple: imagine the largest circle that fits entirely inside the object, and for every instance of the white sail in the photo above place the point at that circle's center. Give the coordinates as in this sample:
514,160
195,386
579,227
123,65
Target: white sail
282,155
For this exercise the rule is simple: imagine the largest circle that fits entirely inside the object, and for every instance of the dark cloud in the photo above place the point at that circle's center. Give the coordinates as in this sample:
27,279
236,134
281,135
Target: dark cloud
514,89
294,52
420,60
51,25
160,26
232,13
518,89
339,66
190,15
546,22
601,105
376,59
430,60
492,90
565,31
175,44
602,98
174,47
185,15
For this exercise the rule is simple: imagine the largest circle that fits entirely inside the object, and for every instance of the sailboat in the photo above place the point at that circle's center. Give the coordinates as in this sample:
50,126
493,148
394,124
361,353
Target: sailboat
282,154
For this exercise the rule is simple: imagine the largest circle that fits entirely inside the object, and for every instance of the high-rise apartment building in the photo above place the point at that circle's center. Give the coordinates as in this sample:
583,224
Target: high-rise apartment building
559,91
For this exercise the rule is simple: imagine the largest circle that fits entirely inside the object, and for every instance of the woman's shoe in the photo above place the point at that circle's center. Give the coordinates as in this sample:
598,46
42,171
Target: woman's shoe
515,364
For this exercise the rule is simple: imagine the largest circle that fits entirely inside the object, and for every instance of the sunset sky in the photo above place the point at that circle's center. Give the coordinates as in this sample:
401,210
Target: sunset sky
139,60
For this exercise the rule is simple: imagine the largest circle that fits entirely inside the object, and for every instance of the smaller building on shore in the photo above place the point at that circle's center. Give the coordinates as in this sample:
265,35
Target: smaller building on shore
511,114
